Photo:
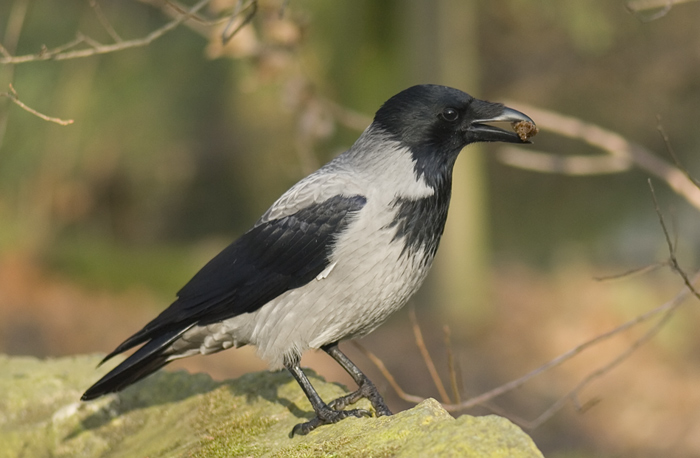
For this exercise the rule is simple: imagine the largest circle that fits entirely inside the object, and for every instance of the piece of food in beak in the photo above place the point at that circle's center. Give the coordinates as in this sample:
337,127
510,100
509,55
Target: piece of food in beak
525,130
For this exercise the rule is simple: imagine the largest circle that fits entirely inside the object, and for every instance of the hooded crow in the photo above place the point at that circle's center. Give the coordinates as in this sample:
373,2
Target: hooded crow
333,257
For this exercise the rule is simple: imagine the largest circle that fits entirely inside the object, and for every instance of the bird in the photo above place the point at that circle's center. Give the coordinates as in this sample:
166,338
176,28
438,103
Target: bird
333,257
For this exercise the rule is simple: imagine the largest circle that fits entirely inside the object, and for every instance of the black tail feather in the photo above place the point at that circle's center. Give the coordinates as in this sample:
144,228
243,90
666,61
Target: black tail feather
144,362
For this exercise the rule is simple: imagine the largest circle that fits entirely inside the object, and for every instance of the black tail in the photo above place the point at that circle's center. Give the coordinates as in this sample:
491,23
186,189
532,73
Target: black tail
144,362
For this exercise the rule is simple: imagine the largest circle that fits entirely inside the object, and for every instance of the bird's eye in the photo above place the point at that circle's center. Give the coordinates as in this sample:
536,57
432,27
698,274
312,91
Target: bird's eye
450,114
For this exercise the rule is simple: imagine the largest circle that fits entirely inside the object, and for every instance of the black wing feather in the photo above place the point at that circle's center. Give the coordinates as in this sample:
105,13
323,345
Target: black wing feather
271,258
145,361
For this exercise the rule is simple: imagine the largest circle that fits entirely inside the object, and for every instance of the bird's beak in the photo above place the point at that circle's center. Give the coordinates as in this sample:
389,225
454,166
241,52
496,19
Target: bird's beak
523,127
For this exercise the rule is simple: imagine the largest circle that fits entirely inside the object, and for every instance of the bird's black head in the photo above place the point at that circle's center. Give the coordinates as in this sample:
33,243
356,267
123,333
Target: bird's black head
436,122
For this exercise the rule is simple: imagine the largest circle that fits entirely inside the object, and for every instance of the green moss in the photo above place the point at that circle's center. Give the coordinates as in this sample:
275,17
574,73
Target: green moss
182,415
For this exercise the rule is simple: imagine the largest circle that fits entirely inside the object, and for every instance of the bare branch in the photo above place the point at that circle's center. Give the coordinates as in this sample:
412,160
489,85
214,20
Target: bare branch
89,41
79,39
662,222
58,54
173,9
618,147
566,165
12,95
104,22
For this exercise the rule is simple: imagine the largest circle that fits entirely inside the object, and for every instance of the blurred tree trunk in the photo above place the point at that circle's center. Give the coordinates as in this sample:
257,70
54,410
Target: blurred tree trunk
443,35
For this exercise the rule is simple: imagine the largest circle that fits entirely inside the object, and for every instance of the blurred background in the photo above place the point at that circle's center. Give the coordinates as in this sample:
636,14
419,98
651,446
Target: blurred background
178,146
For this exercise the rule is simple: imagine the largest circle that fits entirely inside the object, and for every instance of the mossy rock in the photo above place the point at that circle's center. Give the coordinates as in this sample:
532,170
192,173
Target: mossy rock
176,414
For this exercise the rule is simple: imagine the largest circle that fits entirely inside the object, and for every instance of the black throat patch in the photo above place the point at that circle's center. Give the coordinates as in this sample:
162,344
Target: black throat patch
420,222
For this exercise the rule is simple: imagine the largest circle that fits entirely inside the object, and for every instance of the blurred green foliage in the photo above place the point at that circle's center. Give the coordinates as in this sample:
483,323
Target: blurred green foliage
101,264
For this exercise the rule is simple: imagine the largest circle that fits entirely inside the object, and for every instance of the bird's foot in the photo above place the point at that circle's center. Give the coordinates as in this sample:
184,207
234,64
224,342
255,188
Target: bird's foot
327,416
368,391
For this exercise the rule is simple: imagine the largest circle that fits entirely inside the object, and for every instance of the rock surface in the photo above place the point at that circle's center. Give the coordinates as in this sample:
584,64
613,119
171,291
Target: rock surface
176,414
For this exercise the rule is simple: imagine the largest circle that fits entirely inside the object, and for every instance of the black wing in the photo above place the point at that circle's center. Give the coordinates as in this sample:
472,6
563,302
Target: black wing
266,261
263,263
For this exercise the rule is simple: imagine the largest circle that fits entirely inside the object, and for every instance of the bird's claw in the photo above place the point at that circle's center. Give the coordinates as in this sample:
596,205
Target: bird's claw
381,410
326,417
368,391
344,401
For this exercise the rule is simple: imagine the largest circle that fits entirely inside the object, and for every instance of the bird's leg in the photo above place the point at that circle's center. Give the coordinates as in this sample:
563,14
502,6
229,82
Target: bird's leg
366,387
324,414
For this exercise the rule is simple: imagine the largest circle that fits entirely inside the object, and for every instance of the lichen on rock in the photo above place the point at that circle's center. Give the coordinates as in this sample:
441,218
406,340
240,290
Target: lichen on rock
176,414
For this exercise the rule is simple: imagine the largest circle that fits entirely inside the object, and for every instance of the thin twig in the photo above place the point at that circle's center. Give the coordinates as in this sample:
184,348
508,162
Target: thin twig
104,49
671,152
673,261
105,22
5,52
196,23
426,357
176,8
90,41
451,365
632,272
12,95
387,375
79,39
227,34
